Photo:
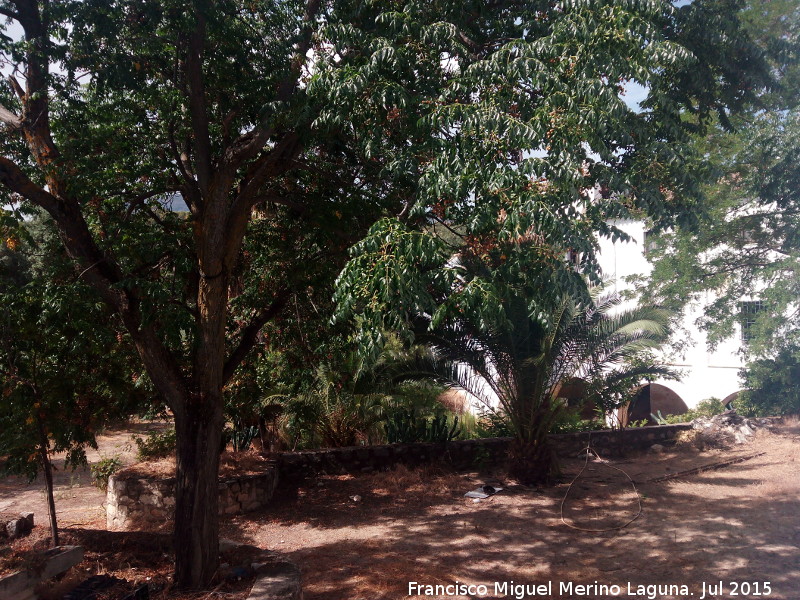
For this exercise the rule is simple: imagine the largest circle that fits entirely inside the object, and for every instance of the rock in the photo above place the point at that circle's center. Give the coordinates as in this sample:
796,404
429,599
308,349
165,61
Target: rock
355,498
279,581
16,528
28,519
657,448
725,429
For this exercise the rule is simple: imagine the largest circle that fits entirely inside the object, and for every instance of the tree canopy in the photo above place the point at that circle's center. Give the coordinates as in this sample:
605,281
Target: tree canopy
61,376
746,248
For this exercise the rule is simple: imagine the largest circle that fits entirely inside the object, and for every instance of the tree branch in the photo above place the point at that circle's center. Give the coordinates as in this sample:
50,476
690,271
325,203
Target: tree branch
197,103
275,162
15,179
9,118
248,145
192,196
250,333
9,13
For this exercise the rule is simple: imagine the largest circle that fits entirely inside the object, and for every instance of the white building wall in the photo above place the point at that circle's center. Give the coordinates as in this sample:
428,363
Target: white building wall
704,374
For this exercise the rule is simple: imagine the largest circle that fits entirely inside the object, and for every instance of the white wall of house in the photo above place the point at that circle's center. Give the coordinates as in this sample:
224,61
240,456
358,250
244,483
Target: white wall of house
704,374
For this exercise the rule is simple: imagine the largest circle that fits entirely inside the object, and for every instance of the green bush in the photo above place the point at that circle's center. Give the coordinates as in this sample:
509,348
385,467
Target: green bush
157,444
408,426
104,469
493,424
705,408
772,385
570,422
240,436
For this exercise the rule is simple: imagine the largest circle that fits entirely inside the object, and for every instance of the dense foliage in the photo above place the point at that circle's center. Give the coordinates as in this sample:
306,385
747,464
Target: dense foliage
61,377
747,248
771,385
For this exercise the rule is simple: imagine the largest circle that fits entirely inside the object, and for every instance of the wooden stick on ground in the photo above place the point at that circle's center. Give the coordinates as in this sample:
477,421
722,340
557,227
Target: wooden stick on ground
711,467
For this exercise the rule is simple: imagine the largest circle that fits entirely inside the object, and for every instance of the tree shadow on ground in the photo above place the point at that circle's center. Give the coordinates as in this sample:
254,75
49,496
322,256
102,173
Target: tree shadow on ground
737,524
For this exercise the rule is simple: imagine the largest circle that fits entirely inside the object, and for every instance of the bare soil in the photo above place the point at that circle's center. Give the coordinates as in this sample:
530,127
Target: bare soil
78,501
134,558
736,524
367,537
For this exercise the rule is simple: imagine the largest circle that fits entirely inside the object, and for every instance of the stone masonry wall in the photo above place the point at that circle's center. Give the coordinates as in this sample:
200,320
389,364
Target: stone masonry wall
135,502
463,453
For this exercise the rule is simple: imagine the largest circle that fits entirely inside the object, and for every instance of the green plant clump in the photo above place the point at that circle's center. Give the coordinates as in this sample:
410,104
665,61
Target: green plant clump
705,408
157,444
104,469
407,426
240,437
572,422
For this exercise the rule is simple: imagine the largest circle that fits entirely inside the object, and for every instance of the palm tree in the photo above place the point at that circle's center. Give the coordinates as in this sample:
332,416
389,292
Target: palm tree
518,361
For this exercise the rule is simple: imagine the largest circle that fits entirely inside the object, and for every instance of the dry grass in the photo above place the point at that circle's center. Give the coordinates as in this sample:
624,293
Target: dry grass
426,482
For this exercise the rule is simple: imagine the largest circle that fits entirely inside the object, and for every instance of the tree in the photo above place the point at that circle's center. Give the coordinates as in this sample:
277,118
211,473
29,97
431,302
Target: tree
747,247
509,342
208,103
771,385
61,378
263,115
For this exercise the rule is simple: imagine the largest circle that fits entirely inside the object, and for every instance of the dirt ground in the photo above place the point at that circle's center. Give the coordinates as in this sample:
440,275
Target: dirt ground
78,501
366,538
736,524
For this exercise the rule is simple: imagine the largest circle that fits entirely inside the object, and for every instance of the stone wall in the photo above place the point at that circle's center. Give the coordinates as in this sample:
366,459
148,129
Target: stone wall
463,453
21,585
136,502
141,503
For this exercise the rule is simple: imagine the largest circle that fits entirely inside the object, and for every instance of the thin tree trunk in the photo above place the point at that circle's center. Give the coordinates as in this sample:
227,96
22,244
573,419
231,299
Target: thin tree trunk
47,467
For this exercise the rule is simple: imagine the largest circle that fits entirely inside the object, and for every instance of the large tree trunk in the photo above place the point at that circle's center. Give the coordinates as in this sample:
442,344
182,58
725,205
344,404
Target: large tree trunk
198,425
196,537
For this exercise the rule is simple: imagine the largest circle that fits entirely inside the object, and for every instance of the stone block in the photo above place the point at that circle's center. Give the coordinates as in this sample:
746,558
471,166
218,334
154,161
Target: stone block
17,585
278,581
61,559
17,528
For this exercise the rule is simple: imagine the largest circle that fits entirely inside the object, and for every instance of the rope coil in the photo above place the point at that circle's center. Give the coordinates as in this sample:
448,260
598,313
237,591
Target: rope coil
589,451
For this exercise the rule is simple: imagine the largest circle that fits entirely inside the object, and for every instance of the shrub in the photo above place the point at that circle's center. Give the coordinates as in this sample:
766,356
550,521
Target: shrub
240,436
570,422
408,426
771,383
104,469
705,408
157,444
